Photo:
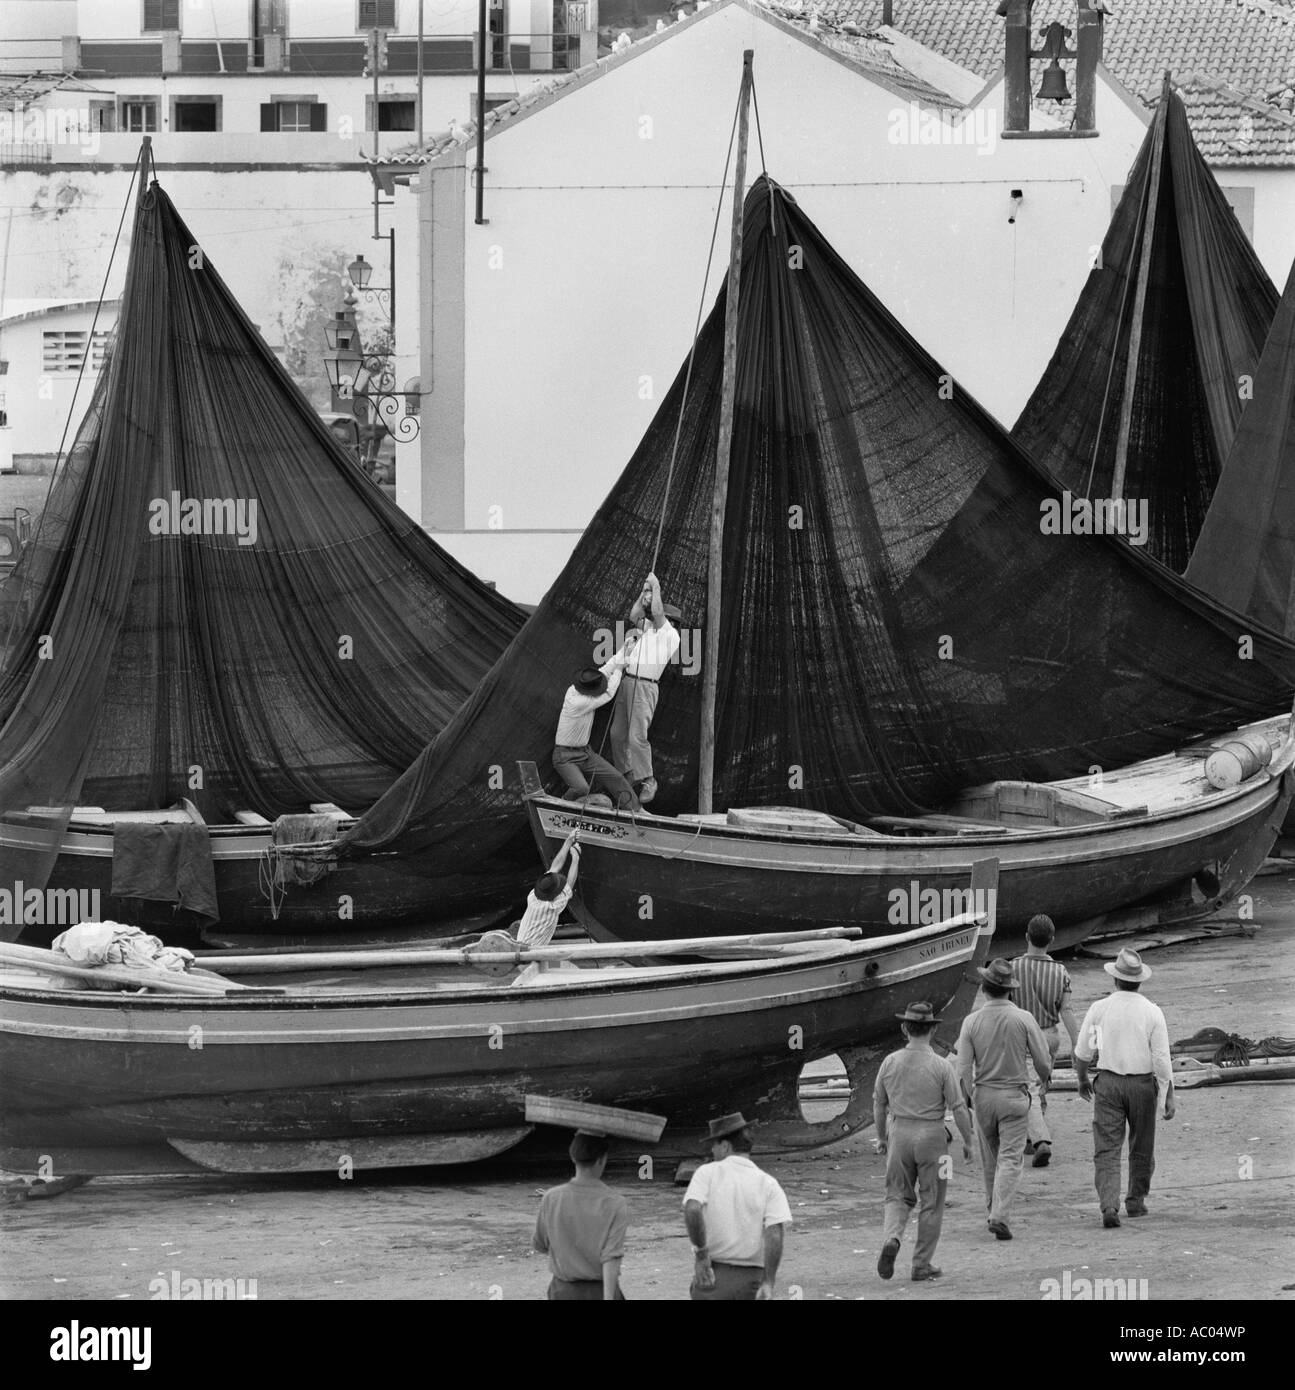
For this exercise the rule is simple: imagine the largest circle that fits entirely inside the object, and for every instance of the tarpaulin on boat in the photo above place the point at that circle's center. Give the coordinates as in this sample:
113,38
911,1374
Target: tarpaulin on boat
219,604
900,616
1178,276
1245,554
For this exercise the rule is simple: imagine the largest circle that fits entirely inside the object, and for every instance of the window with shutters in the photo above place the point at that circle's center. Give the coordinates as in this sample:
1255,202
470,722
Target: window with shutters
4,412
103,115
375,14
63,351
295,116
139,115
189,114
160,15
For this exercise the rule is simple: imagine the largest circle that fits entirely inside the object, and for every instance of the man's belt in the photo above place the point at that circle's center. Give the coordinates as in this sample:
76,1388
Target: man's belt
629,675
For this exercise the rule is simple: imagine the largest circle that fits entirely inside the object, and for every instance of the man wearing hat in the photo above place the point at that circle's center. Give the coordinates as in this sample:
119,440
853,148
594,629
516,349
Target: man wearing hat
992,1050
735,1215
573,759
637,698
914,1088
1126,1035
581,1227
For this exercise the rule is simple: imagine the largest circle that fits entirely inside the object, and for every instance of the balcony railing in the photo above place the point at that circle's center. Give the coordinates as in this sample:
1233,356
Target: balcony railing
324,57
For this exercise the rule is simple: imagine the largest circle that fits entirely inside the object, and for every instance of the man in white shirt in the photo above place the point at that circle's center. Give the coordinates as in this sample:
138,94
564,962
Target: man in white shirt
735,1216
637,698
573,759
1127,1035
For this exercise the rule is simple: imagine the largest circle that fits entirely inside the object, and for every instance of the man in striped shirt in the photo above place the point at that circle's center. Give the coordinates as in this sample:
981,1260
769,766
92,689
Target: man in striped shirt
1044,992
552,892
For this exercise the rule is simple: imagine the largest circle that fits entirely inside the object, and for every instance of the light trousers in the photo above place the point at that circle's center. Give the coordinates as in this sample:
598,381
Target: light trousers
1039,1133
632,712
915,1150
1001,1126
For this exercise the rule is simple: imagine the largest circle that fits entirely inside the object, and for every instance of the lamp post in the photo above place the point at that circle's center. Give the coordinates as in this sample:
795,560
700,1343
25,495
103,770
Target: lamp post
361,272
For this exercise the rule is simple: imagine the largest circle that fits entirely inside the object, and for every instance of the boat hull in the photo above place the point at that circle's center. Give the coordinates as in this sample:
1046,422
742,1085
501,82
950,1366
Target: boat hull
363,896
642,877
99,1072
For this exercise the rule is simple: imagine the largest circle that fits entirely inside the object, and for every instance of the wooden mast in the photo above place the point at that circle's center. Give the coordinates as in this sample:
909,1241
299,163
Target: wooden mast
1140,299
710,665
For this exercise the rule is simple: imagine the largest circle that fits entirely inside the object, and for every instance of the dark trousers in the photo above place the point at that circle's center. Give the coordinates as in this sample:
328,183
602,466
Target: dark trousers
733,1284
578,1291
579,766
1120,1101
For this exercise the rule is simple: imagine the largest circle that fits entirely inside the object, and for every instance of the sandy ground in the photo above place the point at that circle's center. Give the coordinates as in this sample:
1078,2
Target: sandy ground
1222,1204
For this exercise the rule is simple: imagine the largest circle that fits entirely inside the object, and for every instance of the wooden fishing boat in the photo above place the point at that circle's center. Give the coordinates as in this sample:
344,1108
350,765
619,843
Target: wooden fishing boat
418,1064
1155,843
368,897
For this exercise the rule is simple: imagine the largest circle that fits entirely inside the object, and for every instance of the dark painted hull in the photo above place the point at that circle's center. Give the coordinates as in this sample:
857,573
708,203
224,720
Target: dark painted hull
365,896
641,878
95,1071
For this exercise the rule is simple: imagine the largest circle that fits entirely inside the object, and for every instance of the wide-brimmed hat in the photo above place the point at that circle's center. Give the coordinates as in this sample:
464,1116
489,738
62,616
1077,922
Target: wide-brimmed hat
921,1012
999,972
725,1126
590,681
1128,966
549,885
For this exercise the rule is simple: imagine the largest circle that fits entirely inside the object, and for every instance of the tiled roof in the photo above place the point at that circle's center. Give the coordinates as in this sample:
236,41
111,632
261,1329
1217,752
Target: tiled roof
1246,45
868,52
1234,129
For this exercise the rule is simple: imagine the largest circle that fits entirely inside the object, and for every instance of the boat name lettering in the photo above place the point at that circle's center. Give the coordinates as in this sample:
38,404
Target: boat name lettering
592,827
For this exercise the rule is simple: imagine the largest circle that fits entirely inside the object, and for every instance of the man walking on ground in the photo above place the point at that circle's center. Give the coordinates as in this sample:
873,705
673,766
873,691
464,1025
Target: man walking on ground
573,759
637,697
581,1228
1044,993
1126,1034
914,1088
992,1048
735,1216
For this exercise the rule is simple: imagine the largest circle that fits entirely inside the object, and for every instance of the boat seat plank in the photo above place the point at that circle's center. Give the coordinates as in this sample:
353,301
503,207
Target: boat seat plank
326,808
251,818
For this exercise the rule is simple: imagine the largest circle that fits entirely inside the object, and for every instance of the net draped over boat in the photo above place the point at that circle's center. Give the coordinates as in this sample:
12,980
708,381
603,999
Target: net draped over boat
1245,554
896,623
1208,304
309,655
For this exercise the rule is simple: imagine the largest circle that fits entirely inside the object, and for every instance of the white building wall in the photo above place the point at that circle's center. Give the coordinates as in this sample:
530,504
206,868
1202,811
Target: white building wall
583,289
1274,232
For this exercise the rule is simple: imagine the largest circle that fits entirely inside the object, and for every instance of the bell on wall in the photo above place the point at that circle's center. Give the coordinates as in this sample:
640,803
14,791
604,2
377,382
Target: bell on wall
1053,86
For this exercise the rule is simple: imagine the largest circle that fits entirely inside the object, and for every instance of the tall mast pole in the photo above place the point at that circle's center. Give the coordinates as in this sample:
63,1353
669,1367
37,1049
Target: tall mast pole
1140,299
483,37
710,667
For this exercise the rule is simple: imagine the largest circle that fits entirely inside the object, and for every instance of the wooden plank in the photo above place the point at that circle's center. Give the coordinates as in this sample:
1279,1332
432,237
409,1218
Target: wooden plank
164,981
251,818
595,1119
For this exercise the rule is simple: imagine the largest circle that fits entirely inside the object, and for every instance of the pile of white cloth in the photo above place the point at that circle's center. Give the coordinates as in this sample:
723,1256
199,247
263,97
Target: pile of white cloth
114,943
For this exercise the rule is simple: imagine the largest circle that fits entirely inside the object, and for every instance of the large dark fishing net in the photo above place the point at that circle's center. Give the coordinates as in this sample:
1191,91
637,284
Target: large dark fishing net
1208,306
311,665
895,624
1245,555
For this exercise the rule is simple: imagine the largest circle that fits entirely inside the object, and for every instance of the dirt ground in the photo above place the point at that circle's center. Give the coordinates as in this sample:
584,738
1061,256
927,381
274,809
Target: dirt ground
1222,1203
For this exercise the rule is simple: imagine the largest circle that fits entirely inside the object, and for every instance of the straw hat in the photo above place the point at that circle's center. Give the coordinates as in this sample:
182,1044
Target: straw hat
1127,966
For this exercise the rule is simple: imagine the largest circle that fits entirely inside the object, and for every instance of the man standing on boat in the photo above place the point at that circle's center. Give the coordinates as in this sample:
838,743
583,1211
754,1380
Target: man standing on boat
637,698
581,1228
573,759
992,1050
1126,1035
1044,993
735,1215
914,1088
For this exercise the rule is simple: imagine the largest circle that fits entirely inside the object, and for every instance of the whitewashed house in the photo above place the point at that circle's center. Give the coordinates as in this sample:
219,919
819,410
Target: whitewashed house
551,332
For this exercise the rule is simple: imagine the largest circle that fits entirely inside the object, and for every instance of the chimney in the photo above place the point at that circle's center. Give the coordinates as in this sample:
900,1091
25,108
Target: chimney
1016,59
888,12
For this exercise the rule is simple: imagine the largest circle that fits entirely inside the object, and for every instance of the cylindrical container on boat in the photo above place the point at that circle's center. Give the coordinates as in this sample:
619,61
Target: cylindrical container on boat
1237,759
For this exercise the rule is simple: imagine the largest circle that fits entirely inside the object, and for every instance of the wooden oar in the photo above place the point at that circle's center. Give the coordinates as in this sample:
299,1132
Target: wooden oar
164,981
762,942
